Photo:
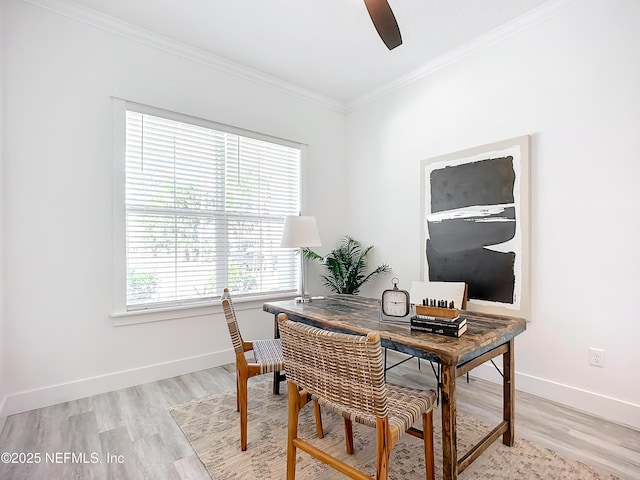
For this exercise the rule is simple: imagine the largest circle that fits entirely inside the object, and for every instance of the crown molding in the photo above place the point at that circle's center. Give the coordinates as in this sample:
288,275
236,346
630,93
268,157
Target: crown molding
138,34
116,26
499,34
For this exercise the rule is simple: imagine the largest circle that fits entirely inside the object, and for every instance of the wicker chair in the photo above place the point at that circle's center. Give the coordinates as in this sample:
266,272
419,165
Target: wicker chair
345,374
268,358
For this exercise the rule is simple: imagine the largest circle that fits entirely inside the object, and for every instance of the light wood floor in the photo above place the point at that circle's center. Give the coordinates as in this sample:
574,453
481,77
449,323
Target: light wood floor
132,435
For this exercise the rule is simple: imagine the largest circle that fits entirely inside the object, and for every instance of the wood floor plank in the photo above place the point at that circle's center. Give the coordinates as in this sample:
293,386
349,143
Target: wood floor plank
149,450
191,468
121,459
135,408
85,440
108,411
215,379
19,435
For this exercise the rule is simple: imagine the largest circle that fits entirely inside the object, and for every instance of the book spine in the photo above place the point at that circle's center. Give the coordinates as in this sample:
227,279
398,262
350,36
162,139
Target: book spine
439,329
422,319
430,317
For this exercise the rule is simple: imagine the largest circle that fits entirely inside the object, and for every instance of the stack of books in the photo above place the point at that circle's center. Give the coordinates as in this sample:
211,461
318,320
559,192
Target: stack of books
440,320
451,327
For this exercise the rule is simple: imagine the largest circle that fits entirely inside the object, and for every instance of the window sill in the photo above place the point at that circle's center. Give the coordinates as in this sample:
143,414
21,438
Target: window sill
136,317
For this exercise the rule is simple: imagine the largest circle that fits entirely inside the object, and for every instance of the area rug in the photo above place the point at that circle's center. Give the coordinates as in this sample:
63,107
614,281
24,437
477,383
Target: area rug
212,426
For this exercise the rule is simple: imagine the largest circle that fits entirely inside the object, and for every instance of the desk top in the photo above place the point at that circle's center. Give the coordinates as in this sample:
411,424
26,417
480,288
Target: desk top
360,315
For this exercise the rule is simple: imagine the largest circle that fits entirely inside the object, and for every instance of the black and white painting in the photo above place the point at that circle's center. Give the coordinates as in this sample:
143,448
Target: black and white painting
475,206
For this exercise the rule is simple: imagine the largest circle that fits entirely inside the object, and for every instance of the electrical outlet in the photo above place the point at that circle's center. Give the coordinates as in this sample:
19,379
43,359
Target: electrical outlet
596,357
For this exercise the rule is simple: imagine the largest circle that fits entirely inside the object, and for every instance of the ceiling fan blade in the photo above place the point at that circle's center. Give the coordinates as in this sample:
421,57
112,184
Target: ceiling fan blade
385,22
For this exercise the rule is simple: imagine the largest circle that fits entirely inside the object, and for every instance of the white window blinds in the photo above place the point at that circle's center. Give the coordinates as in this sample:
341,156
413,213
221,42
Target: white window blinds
204,211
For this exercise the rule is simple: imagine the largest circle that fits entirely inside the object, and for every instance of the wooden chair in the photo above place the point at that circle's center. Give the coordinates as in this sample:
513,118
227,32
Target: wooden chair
267,359
345,374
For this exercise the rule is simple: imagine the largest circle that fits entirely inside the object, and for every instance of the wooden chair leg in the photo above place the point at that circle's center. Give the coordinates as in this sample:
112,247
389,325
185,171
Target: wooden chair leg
292,430
237,392
242,400
383,448
427,432
348,435
318,413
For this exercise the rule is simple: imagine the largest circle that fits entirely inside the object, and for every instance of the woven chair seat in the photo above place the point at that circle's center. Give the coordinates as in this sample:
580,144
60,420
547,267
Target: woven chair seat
268,354
406,406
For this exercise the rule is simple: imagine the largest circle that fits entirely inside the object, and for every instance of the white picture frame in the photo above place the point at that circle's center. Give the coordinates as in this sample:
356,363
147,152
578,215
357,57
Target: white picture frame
475,214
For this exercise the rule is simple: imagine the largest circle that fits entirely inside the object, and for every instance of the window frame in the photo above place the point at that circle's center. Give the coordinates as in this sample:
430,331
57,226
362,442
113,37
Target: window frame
122,314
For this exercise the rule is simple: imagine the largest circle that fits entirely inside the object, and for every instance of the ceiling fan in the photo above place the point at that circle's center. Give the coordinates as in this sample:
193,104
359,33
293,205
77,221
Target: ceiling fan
385,22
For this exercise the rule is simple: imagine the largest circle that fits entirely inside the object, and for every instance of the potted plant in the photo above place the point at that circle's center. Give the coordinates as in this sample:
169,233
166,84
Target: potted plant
346,266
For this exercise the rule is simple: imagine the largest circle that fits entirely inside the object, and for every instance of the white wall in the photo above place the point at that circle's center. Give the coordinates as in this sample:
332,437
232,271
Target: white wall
59,75
2,333
572,83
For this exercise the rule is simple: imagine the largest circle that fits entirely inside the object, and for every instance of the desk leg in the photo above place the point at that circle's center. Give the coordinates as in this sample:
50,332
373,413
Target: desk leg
277,376
508,394
449,439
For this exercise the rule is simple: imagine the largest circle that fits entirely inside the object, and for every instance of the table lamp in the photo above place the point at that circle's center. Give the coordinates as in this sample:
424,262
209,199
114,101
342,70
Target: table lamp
300,231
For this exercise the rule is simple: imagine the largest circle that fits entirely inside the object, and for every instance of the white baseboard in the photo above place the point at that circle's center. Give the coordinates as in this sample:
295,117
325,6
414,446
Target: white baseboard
54,394
601,406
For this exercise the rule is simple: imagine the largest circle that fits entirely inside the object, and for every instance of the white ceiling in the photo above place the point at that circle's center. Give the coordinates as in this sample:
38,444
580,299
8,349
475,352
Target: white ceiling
326,46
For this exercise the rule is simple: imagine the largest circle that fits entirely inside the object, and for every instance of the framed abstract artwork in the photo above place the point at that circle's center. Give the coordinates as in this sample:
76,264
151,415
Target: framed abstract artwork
475,214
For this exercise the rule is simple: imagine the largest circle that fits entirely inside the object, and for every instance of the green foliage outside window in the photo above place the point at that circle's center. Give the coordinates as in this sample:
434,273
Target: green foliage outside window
142,286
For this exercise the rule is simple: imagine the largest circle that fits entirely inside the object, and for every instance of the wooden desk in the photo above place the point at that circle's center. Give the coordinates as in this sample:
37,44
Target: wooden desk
487,337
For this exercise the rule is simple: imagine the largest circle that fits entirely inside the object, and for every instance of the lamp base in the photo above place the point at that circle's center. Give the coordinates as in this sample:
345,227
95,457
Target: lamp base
303,299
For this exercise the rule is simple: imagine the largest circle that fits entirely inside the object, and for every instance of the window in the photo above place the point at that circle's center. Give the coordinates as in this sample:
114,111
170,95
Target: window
204,209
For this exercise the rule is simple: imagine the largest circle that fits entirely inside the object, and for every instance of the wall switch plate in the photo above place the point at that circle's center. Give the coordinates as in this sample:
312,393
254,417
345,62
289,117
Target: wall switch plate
596,357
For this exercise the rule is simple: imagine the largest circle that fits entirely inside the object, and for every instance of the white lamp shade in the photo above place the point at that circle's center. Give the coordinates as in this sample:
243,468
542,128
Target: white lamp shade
300,231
